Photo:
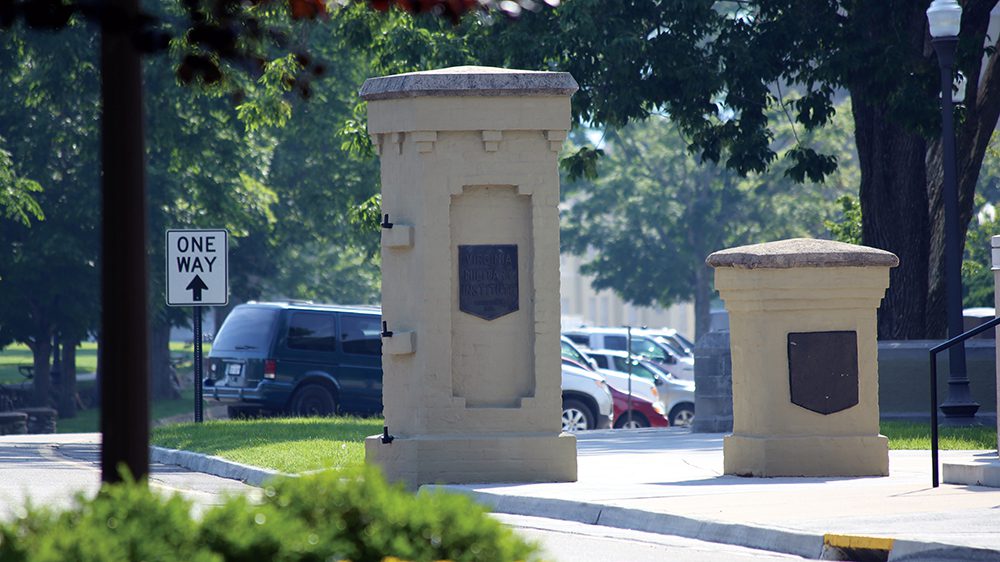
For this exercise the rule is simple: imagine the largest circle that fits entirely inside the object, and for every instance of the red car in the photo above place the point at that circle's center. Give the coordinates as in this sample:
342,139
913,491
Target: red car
644,412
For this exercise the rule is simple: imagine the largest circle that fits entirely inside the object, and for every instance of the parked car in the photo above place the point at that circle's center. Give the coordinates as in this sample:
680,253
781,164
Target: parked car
644,413
298,358
644,382
647,345
676,395
673,338
586,398
575,356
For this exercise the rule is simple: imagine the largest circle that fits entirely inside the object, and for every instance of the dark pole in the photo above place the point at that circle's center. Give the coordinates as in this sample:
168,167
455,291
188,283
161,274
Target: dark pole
124,326
628,360
959,403
198,403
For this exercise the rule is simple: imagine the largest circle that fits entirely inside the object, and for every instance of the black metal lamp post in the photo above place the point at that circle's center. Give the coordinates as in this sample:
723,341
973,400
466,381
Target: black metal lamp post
945,17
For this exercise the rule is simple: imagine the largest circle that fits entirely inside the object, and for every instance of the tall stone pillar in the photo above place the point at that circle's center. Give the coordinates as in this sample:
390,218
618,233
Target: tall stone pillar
804,357
470,275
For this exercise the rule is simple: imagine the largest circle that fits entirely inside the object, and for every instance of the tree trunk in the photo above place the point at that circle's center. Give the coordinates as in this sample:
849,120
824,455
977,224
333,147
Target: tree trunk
161,382
894,212
41,350
67,384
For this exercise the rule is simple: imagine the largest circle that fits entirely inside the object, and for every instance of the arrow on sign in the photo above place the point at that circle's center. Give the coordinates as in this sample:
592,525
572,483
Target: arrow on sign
196,286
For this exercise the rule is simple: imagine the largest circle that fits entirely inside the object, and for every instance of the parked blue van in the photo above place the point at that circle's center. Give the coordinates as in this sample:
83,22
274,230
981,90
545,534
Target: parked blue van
297,358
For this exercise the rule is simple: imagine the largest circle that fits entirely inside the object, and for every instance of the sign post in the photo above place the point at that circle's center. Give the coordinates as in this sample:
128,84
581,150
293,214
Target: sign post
197,276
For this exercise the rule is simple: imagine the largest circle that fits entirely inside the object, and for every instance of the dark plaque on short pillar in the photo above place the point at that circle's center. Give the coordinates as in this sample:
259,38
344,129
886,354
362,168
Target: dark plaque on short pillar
487,280
823,370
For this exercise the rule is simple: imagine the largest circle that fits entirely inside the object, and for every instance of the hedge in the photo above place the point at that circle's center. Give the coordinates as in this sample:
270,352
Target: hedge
331,516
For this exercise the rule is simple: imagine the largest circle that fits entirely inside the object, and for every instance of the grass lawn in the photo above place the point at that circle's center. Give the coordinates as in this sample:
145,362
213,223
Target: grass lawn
911,435
87,421
285,444
86,358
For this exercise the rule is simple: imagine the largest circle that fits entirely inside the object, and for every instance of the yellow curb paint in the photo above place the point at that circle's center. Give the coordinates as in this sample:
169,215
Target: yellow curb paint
851,541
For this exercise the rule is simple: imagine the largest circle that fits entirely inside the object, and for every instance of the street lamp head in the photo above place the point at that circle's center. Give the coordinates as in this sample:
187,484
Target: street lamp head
945,18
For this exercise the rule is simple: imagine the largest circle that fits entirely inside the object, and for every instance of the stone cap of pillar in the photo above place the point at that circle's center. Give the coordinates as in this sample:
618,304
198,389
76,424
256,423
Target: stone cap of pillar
469,81
801,252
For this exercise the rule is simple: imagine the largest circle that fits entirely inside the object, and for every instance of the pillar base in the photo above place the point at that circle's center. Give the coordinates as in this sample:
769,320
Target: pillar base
479,458
851,455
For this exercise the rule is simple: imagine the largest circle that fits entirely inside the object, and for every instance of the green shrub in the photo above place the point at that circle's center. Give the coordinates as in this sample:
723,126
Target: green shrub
123,522
353,515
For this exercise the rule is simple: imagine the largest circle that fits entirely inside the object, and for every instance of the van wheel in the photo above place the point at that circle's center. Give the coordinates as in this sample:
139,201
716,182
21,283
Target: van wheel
576,416
313,400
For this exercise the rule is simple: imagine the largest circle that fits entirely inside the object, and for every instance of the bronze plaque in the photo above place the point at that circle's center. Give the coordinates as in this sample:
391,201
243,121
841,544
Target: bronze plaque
487,280
823,370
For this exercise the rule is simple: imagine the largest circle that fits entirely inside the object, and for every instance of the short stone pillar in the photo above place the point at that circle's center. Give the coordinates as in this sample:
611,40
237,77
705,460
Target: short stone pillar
470,275
804,357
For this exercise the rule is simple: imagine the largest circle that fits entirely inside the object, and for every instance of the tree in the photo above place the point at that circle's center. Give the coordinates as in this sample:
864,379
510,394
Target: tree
718,68
48,268
653,214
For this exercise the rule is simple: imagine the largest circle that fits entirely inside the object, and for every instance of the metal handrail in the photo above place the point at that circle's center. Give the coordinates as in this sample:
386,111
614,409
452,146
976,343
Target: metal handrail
934,396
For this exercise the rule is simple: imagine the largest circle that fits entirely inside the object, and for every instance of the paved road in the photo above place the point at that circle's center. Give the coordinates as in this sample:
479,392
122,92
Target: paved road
50,474
566,541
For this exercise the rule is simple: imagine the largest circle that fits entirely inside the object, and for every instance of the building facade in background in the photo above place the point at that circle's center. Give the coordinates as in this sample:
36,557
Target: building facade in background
583,306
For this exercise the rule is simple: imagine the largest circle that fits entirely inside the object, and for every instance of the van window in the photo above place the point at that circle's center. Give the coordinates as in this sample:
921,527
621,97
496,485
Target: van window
602,361
314,331
246,328
616,342
578,339
361,335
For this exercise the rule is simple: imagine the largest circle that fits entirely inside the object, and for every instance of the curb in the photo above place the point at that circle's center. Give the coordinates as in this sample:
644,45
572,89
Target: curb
808,545
215,466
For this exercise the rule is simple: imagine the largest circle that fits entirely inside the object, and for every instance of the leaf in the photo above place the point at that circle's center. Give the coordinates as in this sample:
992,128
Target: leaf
582,163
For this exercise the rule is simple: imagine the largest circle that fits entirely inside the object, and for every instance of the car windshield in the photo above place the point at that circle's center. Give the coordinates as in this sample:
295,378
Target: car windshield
674,346
639,369
649,348
246,328
570,352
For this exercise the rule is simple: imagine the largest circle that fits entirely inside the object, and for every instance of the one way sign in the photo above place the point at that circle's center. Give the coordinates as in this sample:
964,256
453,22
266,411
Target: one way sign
197,268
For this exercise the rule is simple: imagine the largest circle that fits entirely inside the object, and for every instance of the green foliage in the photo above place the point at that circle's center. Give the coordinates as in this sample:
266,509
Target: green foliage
367,215
123,522
848,227
353,515
655,212
977,275
581,164
16,201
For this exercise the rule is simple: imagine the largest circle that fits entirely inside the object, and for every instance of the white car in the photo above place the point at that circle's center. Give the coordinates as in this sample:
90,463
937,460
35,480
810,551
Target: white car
646,344
586,400
676,395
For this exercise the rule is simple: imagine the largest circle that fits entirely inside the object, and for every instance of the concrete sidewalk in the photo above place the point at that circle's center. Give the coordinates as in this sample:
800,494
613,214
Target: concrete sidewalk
670,481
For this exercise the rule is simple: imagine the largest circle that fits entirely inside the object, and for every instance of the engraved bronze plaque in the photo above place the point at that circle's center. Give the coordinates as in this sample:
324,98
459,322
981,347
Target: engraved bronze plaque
487,280
823,370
